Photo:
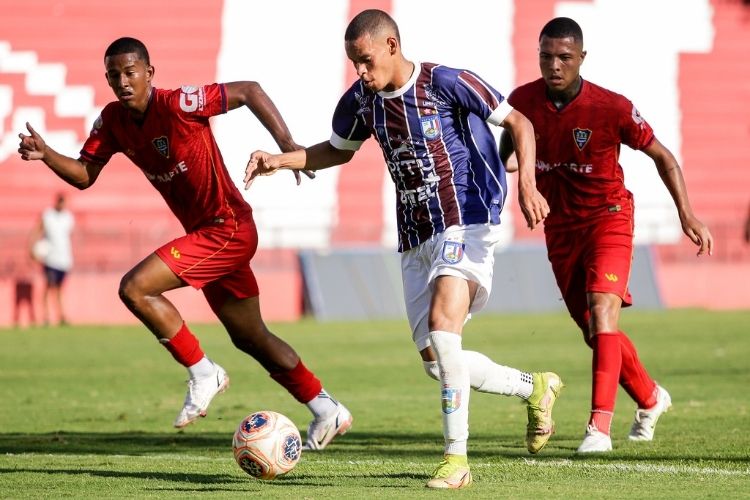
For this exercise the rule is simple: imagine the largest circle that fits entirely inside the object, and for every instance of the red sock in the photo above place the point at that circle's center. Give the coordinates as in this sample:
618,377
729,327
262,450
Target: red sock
605,377
602,420
184,347
300,382
634,378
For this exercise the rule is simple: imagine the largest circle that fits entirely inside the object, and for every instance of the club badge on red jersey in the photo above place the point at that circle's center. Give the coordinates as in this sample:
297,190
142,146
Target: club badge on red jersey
162,145
581,136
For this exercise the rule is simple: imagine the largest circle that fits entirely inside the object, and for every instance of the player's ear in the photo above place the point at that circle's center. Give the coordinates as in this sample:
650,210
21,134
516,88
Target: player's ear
150,73
392,45
583,55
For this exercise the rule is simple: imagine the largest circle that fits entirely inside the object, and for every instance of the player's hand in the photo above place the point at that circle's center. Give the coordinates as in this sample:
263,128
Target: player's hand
261,163
31,146
308,173
533,206
699,234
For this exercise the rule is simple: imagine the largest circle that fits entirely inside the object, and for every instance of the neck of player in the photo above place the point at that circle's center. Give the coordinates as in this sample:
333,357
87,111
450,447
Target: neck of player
563,97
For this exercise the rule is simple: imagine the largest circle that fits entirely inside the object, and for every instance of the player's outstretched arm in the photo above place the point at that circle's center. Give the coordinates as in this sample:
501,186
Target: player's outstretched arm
533,204
317,157
252,95
671,174
78,173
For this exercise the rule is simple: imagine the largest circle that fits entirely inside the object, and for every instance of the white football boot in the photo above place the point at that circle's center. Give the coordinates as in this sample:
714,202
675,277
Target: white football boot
645,419
199,395
321,432
594,441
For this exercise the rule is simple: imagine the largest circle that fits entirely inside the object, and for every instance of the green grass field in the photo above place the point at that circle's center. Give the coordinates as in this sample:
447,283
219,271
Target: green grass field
86,412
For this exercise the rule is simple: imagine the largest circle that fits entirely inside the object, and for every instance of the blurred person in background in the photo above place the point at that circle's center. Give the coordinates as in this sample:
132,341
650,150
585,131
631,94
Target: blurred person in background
23,294
51,246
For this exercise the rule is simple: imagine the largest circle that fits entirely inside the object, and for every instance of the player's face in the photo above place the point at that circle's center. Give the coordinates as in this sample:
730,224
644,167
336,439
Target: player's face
560,61
373,61
130,80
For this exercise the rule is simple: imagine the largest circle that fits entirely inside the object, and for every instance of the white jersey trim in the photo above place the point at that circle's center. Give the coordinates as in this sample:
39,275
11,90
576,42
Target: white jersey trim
500,113
401,91
339,142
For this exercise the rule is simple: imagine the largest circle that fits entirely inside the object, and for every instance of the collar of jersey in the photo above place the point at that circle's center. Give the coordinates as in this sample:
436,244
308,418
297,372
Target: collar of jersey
401,91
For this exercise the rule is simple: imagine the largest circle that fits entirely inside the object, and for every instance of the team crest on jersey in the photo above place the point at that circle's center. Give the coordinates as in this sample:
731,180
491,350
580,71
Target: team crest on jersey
581,136
430,126
453,251
162,145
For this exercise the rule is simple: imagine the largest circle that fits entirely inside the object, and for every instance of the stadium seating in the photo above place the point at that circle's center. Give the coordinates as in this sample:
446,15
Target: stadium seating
53,80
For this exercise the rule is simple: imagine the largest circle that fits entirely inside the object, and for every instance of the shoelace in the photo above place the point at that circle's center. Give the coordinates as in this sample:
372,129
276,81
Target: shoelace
445,472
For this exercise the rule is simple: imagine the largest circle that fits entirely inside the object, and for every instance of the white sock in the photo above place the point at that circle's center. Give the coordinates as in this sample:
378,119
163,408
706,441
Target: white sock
487,376
455,390
202,369
323,405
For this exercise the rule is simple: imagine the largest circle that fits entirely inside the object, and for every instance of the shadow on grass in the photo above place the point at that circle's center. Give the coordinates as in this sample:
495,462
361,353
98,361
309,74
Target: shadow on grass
353,446
145,475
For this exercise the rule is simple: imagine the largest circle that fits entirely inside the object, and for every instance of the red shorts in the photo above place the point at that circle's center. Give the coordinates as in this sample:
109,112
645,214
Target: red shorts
216,259
595,258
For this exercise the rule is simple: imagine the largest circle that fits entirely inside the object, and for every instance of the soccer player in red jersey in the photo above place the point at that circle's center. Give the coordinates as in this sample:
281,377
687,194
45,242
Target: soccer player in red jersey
167,134
589,231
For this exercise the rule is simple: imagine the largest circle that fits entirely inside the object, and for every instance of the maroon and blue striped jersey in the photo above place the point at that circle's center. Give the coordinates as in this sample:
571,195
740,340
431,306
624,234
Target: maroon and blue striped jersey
437,145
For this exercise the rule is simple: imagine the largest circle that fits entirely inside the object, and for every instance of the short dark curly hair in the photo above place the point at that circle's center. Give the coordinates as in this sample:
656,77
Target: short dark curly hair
127,45
562,27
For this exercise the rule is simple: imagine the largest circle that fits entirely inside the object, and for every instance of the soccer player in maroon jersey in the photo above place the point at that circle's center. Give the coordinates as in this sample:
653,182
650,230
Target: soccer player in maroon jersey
589,231
166,133
432,123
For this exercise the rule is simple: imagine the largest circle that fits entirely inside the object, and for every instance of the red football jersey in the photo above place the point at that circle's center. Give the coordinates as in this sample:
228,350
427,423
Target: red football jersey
176,150
578,149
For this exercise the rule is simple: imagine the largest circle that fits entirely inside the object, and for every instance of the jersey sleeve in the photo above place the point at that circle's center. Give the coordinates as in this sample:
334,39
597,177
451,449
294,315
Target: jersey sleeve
200,102
349,128
634,129
479,97
101,143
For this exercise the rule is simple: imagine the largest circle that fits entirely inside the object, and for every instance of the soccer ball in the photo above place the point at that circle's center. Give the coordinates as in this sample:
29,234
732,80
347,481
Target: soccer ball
266,444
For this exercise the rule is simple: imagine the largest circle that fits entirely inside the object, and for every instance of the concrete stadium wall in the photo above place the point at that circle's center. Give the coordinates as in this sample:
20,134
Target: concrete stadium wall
91,297
360,284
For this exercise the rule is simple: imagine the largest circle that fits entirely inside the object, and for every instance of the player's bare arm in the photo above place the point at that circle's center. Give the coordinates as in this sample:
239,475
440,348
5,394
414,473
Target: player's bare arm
317,157
671,174
252,95
533,204
506,152
78,173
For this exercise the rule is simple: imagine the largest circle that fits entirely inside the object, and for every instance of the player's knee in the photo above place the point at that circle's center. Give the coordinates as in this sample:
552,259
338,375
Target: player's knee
129,291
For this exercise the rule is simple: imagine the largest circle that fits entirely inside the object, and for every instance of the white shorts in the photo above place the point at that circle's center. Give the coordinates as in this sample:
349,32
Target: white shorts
463,251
